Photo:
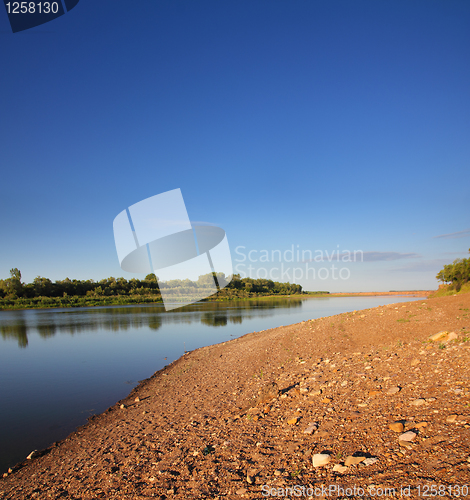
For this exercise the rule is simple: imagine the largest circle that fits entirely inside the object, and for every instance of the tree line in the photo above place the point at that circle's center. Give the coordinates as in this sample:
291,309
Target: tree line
13,288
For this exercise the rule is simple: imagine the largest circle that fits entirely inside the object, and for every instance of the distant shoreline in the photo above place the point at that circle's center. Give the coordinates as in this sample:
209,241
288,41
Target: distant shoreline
78,302
413,293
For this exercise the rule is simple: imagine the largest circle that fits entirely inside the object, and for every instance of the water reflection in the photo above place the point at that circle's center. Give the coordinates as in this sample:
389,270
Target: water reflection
47,323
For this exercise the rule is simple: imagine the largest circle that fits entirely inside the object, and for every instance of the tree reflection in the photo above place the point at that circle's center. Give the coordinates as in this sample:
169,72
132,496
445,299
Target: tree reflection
18,324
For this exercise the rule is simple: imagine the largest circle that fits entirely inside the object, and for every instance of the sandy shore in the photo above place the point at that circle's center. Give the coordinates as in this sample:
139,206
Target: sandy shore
247,418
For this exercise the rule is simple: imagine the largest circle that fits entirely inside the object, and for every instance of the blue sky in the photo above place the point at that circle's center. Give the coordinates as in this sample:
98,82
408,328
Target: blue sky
324,125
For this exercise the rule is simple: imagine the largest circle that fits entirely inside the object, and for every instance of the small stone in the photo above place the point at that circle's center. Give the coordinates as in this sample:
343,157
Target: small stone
315,393
418,402
438,336
353,460
370,461
415,362
137,400
405,444
373,394
451,418
322,434
123,406
407,436
293,420
241,491
340,468
396,426
320,459
170,492
249,479
344,383
451,336
277,472
326,400
393,390
421,424
32,455
311,429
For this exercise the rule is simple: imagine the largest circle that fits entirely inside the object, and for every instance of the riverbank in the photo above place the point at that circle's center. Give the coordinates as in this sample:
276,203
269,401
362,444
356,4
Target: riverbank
99,301
229,419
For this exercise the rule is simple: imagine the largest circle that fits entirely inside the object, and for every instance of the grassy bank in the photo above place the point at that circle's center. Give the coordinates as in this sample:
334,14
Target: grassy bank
447,290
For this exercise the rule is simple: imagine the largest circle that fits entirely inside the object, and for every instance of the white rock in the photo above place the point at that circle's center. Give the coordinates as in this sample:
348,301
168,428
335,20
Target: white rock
407,436
418,402
310,429
340,468
370,461
320,459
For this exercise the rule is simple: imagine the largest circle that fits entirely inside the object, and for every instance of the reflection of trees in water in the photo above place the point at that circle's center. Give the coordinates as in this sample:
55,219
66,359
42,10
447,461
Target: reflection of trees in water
46,330
16,331
115,319
217,319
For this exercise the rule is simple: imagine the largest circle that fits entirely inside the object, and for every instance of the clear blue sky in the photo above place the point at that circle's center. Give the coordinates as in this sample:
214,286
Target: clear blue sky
325,124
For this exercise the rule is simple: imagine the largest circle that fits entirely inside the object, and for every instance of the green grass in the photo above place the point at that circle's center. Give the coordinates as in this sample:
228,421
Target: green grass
449,290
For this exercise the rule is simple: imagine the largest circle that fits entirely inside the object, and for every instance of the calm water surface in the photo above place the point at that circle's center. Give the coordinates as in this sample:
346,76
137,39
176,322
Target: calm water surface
59,366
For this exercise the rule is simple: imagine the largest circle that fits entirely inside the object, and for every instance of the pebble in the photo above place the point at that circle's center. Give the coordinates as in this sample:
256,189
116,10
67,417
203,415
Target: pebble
311,428
421,424
340,468
320,459
293,420
396,426
137,400
438,336
241,491
407,436
393,390
123,406
370,461
373,394
353,460
418,402
32,455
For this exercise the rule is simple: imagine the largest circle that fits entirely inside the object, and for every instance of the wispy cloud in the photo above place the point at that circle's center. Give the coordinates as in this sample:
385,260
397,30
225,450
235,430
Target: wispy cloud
387,256
428,266
458,234
360,256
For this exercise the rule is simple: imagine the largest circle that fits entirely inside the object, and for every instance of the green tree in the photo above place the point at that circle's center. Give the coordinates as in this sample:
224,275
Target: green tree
456,274
13,285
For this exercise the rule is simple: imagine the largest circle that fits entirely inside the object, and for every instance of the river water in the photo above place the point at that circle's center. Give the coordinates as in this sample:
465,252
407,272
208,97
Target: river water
59,366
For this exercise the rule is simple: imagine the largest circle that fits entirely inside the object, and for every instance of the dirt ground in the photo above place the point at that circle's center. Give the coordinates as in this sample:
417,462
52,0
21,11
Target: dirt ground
362,401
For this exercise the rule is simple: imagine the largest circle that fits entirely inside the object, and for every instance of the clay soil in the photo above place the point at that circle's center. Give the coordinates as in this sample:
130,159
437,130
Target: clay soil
245,418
